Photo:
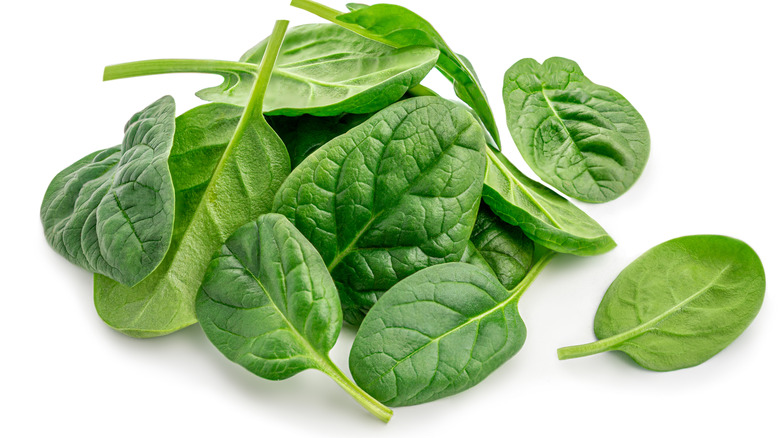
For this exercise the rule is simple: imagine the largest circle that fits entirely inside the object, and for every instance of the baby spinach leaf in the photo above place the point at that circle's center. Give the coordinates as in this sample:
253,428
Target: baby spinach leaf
437,333
226,173
394,195
112,211
506,250
268,303
399,27
679,304
322,69
544,216
305,134
586,140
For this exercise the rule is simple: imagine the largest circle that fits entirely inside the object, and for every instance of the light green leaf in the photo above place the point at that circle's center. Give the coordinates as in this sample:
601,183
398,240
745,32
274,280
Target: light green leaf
679,304
225,176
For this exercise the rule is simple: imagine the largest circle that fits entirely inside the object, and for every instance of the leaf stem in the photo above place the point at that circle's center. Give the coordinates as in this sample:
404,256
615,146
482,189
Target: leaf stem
582,350
518,291
254,108
164,66
369,403
318,9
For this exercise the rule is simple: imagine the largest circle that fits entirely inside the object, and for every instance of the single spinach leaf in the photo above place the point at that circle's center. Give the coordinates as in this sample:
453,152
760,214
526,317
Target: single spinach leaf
112,211
543,215
305,134
226,174
586,140
394,195
322,69
505,249
680,303
399,27
268,303
437,333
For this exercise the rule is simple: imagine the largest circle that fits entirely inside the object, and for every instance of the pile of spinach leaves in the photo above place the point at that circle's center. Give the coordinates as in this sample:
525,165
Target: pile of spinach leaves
324,184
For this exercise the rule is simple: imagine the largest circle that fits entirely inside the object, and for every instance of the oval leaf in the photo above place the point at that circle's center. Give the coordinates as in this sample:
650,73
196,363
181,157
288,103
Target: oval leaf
268,303
586,140
112,211
680,303
392,196
543,215
437,333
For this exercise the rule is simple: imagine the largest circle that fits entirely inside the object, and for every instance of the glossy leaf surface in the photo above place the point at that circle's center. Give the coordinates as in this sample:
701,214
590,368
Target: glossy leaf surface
268,303
680,303
392,196
399,27
545,216
322,69
437,333
586,140
226,173
112,211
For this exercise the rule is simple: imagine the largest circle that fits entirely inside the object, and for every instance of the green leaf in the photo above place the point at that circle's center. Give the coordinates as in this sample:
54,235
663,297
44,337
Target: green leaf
503,249
226,173
394,195
112,211
680,303
437,333
322,69
586,140
268,303
397,26
304,134
543,215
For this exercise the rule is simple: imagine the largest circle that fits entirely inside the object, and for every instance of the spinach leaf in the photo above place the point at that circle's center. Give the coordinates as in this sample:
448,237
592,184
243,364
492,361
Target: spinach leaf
219,188
399,27
437,333
268,303
503,249
394,195
679,304
545,216
322,69
305,134
112,211
586,140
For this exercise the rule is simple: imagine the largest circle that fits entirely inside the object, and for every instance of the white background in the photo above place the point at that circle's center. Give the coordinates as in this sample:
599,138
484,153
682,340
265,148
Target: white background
703,74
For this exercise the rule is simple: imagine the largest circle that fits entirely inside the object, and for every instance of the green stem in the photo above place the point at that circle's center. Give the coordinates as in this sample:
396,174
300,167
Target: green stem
369,403
317,9
254,107
601,346
163,66
516,292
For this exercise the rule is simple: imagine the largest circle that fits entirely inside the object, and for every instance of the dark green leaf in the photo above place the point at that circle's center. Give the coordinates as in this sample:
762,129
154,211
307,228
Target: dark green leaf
545,216
586,140
680,303
392,196
505,249
437,333
112,211
268,303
